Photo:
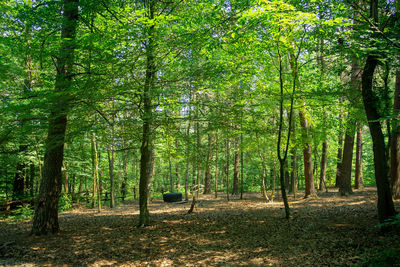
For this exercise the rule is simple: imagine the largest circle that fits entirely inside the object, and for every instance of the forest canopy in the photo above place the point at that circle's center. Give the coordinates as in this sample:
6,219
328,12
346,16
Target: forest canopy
107,100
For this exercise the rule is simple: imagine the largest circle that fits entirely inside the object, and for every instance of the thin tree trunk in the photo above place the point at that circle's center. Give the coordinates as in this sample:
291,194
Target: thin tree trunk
263,174
46,212
358,178
95,173
395,141
339,159
307,154
227,168
208,178
235,187
324,156
293,175
171,179
216,166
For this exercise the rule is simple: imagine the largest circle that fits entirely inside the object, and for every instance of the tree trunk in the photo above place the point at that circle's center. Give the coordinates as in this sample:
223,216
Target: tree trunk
235,187
395,142
322,175
216,166
66,178
307,154
124,184
358,178
171,179
95,174
146,149
339,159
46,212
110,154
385,201
207,180
347,162
293,174
227,168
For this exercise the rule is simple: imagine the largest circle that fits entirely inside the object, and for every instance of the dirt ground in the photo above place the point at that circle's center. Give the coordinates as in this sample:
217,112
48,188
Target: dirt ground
326,231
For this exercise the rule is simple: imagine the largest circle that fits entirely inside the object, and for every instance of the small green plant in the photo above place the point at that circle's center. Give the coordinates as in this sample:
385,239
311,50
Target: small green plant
23,212
395,221
64,203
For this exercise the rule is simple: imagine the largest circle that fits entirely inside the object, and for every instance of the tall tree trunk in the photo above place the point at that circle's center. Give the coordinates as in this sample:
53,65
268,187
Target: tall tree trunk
66,178
235,186
347,162
385,201
241,167
124,185
307,155
339,158
46,212
187,161
110,154
358,178
322,175
96,201
395,141
293,174
216,166
263,174
146,149
227,167
208,178
171,179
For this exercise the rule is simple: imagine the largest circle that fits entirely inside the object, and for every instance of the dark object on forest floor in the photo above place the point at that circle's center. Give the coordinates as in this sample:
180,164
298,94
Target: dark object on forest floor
172,197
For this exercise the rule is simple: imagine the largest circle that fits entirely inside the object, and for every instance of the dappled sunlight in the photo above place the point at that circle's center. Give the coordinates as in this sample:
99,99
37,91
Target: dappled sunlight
239,232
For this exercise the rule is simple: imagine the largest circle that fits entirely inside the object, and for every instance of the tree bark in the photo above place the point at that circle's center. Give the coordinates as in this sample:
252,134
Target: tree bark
46,212
146,149
95,174
347,162
207,180
322,175
235,186
227,168
395,142
385,201
358,178
293,174
307,154
339,159
216,166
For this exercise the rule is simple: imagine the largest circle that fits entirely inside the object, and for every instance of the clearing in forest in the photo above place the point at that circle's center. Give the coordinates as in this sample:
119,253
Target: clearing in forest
326,231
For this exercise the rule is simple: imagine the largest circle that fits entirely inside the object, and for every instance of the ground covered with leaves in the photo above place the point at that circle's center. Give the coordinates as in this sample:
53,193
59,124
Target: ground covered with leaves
326,231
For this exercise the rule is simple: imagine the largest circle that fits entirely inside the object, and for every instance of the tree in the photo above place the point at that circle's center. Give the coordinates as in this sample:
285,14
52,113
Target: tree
46,212
385,202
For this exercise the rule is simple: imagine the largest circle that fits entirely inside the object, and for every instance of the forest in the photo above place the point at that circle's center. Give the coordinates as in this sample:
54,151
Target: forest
276,123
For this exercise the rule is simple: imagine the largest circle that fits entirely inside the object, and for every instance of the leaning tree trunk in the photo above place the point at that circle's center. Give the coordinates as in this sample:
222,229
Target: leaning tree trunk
395,142
46,212
358,177
385,201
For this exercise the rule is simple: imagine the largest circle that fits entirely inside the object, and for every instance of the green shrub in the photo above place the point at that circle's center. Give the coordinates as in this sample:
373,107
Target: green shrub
64,203
23,212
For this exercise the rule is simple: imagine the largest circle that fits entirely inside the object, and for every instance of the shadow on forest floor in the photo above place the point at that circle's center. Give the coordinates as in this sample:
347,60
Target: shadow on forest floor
328,230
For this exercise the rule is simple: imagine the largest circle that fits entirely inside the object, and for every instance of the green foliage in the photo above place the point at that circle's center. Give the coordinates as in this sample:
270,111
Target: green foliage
22,213
382,258
65,203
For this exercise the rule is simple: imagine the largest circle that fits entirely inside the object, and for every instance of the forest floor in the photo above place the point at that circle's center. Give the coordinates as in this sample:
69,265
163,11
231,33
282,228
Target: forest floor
326,231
